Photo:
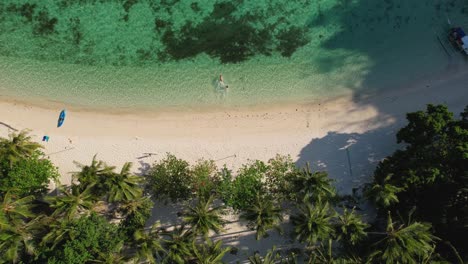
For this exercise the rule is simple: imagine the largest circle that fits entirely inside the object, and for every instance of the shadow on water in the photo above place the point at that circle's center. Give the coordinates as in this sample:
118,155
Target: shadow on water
369,28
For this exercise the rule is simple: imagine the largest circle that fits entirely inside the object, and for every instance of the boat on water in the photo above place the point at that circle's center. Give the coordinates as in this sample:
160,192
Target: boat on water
459,39
61,118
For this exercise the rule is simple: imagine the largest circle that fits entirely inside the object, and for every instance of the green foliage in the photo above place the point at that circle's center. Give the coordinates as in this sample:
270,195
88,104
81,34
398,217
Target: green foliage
383,194
136,212
204,217
123,186
17,231
313,223
206,178
88,239
170,179
71,203
17,147
209,252
22,170
430,173
246,185
102,181
350,228
29,176
148,244
178,245
314,185
278,176
404,244
94,177
263,215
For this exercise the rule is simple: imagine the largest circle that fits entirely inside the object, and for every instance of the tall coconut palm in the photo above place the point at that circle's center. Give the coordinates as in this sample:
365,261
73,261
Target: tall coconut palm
209,252
17,146
404,244
313,223
177,245
263,215
94,176
116,256
315,185
383,194
123,186
148,245
60,229
72,203
271,257
350,227
204,217
324,255
14,210
18,240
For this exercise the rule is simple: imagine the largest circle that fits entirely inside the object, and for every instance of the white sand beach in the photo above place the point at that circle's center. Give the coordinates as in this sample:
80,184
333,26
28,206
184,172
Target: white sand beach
345,136
317,132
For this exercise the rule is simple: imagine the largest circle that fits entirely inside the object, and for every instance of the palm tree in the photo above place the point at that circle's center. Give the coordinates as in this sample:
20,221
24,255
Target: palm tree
60,230
263,215
271,257
15,211
178,245
18,146
116,256
383,194
313,223
324,255
203,217
148,244
209,252
350,227
123,186
18,240
315,185
95,176
72,203
401,244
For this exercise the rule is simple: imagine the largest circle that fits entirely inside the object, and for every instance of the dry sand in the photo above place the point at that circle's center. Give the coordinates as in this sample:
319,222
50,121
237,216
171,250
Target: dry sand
346,136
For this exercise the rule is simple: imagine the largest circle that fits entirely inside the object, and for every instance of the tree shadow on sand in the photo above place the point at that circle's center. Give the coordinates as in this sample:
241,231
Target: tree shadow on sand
349,158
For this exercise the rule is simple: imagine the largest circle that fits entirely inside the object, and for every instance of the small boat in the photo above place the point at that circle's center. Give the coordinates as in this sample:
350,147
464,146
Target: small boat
61,118
459,39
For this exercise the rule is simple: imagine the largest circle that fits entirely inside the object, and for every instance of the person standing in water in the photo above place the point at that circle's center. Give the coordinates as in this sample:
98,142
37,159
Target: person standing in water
221,82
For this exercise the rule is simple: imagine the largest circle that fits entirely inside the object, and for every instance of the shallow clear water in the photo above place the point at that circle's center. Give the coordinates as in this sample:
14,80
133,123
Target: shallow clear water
144,53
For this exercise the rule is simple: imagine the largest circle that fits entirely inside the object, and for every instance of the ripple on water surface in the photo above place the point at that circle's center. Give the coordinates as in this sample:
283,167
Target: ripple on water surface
144,53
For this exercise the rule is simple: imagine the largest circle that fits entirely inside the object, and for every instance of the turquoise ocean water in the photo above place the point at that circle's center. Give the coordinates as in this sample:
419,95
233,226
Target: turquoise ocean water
169,53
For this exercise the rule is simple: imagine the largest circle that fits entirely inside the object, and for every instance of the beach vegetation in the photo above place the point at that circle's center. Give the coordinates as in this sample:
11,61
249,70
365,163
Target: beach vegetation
170,179
178,245
263,215
88,239
413,243
311,185
135,214
204,216
429,174
245,187
23,169
71,203
103,216
148,244
206,178
313,222
18,146
209,252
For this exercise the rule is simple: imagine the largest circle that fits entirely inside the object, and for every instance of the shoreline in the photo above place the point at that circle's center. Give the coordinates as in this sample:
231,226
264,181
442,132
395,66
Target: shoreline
317,131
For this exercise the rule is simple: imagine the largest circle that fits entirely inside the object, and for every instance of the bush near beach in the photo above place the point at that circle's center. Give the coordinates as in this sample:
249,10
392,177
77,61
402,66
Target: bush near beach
420,193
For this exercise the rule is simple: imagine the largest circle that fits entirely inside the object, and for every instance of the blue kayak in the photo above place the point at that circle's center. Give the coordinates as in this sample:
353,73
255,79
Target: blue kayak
61,118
